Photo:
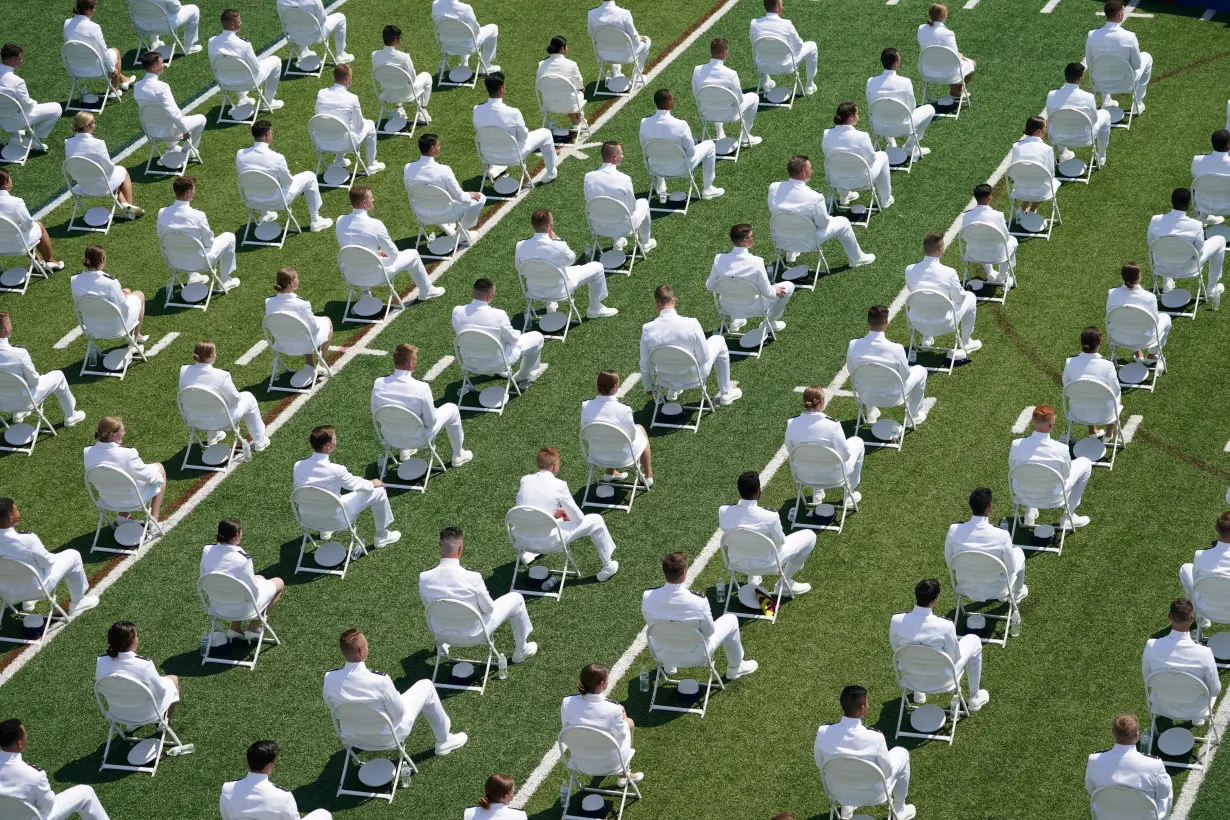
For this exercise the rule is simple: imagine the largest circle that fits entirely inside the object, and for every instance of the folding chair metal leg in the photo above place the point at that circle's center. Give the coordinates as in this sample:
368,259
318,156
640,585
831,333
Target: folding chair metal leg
494,656
433,460
638,484
355,541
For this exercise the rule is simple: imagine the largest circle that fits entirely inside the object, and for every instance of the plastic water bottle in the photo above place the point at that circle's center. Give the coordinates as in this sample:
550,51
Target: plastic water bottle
502,665
205,644
720,591
549,584
644,678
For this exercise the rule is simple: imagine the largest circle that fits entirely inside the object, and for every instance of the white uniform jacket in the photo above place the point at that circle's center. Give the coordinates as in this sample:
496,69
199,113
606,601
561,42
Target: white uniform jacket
672,329
400,388
814,427
1124,765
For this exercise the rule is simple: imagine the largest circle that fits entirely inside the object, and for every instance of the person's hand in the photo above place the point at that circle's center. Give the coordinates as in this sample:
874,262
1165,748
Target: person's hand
644,39
125,291
384,255
474,195
561,515
780,290
377,482
187,135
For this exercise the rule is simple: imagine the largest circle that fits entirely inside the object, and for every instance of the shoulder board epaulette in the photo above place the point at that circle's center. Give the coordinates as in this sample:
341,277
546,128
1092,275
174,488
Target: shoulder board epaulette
382,674
108,276
143,658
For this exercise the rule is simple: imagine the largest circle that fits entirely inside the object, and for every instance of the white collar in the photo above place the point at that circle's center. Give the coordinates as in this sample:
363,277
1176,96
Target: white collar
256,777
739,250
924,611
978,520
1180,636
889,72
748,503
667,312
875,334
450,562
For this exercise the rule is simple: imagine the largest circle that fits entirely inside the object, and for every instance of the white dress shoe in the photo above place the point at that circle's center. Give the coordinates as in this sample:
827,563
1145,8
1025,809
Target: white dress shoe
746,668
464,457
388,539
978,700
608,572
712,192
75,419
452,743
525,653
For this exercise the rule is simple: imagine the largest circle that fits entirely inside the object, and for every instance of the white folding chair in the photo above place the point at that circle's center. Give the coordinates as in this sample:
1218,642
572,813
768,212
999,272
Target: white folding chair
979,577
432,205
394,88
606,446
1173,257
816,466
680,645
127,704
479,353
363,727
17,397
206,413
1042,487
499,150
536,532
1090,402
557,97
609,218
941,65
305,32
184,254
261,193
236,79
590,753
891,119
849,171
852,782
86,180
717,104
750,553
362,269
1211,599
1113,74
924,669
14,808
612,47
877,385
456,623
673,370
774,56
225,599
84,63
542,281
20,583
665,160
985,244
737,299
794,233
331,136
1030,181
1211,194
1182,697
100,321
287,335
320,511
456,38
114,491
931,313
400,428
1134,328
1071,128
152,20
1122,803
16,124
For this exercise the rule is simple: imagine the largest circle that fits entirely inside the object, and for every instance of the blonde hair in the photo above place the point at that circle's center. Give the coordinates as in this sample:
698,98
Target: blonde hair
813,398
108,426
204,352
82,121
405,355
548,457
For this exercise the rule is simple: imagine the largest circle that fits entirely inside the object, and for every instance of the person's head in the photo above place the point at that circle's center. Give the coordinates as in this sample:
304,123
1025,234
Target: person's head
933,244
1182,614
10,55
664,99
342,75
877,317
353,644
719,47
749,485
94,258
83,123
1091,339
391,36
608,382
938,13
262,131
814,399
1035,126
664,297
9,516
548,459
773,6
926,592
323,439
121,637
12,736
498,788
6,326
205,352
612,152
231,20
286,280
741,235
261,756
429,145
541,220
1113,9
675,567
1223,527
6,180
854,701
85,7
361,196
494,83
847,113
982,193
1130,274
1180,199
184,188
980,501
1074,73
451,542
593,679
1221,140
1044,418
230,531
405,356
152,62
799,167
109,429
890,58
1125,730
484,289
558,45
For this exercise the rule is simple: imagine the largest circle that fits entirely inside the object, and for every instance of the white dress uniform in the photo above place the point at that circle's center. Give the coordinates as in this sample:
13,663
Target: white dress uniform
496,114
185,16
260,157
663,125
932,274
240,405
1113,38
557,65
543,491
488,35
333,25
267,70
400,388
153,90
449,580
612,411
17,360
1040,448
1212,250
1138,296
683,331
22,781
1094,366
106,286
991,216
51,567
804,51
848,737
980,535
142,669
607,180
740,263
91,147
938,34
340,102
256,798
230,559
814,427
355,683
498,811
716,72
1177,651
609,14
1071,95
1124,765
421,82
427,171
220,249
84,30
922,625
796,197
675,602
524,347
318,471
596,712
42,116
1035,149
292,303
876,347
793,549
1214,162
359,227
147,476
892,85
1213,561
556,252
848,138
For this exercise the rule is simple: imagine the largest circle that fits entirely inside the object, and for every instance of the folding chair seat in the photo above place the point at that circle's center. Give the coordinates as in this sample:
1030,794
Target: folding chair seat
1182,697
557,97
457,39
774,56
891,119
985,244
455,624
673,370
533,532
225,599
128,704
849,171
1042,487
1211,194
546,283
1134,328
738,299
305,33
814,467
262,194
1030,181
184,254
1071,128
17,809
17,397
606,446
480,353
1211,598
152,21
399,429
208,418
980,577
590,753
331,136
793,233
236,80
1173,257
750,553
851,782
677,645
361,727
1112,74
718,105
499,150
287,335
665,160
610,218
362,270
114,491
100,321
86,180
924,669
432,205
1090,402
20,583
941,65
322,512
16,124
878,385
931,313
84,64
613,47
394,88
1123,803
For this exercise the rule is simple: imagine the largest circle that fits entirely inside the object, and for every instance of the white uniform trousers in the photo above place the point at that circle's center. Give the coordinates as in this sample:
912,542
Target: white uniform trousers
641,221
899,779
67,567
1213,253
993,270
854,463
421,698
335,25
55,382
422,88
726,634
542,140
747,111
1016,568
719,355
43,118
448,417
839,228
270,74
487,42
1101,133
1078,477
376,498
592,526
881,173
324,329
915,389
777,307
189,19
593,276
969,648
967,312
368,139
922,117
305,183
528,351
511,607
196,128
642,54
79,800
1164,323
318,814
794,552
809,55
408,261
222,253
132,310
250,411
704,155
467,213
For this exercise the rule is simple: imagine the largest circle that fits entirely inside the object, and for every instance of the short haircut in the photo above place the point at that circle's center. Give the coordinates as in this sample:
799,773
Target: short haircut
183,185
7,505
284,279
1180,199
10,51
719,47
391,34
845,111
1181,609
81,121
749,485
95,256
451,538
1112,7
494,83
980,500
852,699
1074,73
877,316
1091,339
770,5
1223,526
1130,273
675,567
321,436
357,194
889,57
982,192
261,754
933,242
341,72
663,294
261,129
813,398
1034,124
228,528
663,98
608,149
1221,140
350,641
608,382
740,233
547,458
427,142
797,165
204,351
1043,413
1125,729
540,219
11,732
483,286
926,592
150,59
592,677
229,16
405,355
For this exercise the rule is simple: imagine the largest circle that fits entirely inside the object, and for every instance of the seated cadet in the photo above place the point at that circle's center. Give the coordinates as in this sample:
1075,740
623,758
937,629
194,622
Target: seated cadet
980,535
922,626
673,601
545,491
82,28
185,16
261,157
41,116
848,737
401,389
51,567
151,479
1071,95
449,581
1123,765
488,37
360,228
1216,161
153,90
1176,651
1089,364
843,136
1212,249
285,300
340,102
518,346
496,114
795,196
804,51
21,781
426,170
607,407
814,427
392,54
93,281
16,360
1040,448
876,347
1131,293
266,70
672,329
546,245
331,25
83,143
255,797
13,208
740,263
716,72
792,549
122,658
663,125
225,556
609,14
493,805
892,85
318,471
1033,147
1113,38
935,32
181,217
984,212
355,683
1212,561
607,180
202,373
557,64
932,274
590,708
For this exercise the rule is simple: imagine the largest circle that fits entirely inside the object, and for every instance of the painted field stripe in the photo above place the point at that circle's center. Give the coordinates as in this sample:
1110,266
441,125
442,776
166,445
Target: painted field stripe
438,368
365,352
1050,6
1129,429
162,344
68,338
835,394
1022,421
970,4
632,381
251,353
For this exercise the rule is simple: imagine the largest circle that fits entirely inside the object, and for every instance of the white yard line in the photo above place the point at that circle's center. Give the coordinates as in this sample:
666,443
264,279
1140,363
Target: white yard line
251,353
970,4
68,338
629,383
162,344
366,352
1050,6
438,368
1129,429
1023,420
833,394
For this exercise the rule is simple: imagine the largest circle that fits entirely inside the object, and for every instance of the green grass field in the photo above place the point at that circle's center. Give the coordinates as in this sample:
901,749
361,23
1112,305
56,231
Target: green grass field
1054,690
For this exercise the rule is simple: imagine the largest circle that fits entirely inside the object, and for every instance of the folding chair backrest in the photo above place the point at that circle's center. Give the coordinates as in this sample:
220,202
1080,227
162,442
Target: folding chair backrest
1031,181
923,668
536,527
557,94
113,489
82,61
99,318
13,808
817,465
301,26
431,204
1131,326
316,508
1122,803
1089,401
664,158
738,298
673,367
985,243
608,216
203,409
361,267
261,191
226,597
750,552
891,117
939,64
717,103
456,37
1175,256
126,700
498,147
288,334
400,428
542,280
847,171
1211,193
793,232
979,575
606,445
591,751
930,312
87,176
331,135
773,55
232,73
149,17
480,352
456,623
15,394
19,581
613,45
183,252
364,726
392,83
679,644
1070,127
1177,695
1112,74
12,115
877,384
852,781
1211,595
1036,485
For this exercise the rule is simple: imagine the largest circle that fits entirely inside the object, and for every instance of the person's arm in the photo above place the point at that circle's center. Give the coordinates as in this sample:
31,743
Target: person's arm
427,404
714,276
482,598
508,334
21,93
44,797
520,128
646,373
230,393
568,505
763,285
352,482
565,251
43,559
147,472
386,242
282,172
453,187
1146,668
1090,785
28,371
1211,677
207,234
1163,792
